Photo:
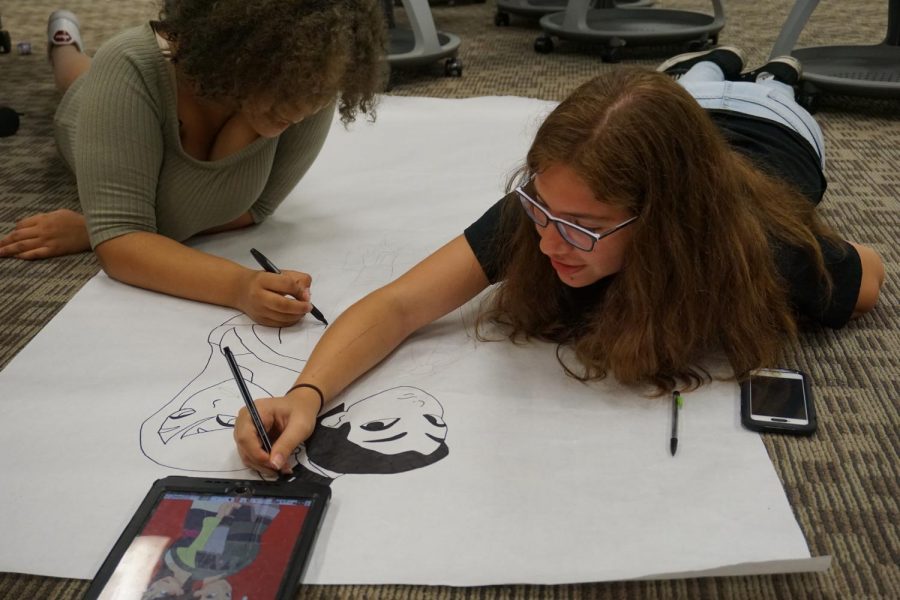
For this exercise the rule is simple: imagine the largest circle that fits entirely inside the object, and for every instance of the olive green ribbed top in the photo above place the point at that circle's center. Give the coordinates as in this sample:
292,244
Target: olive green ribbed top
117,128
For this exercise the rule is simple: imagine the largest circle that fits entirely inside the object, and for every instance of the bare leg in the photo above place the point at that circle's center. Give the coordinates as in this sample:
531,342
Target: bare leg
68,65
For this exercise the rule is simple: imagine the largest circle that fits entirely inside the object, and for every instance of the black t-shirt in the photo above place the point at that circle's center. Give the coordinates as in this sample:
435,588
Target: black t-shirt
775,149
779,152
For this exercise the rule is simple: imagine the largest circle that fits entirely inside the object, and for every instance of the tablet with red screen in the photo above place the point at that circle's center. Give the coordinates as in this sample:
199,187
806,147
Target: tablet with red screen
206,538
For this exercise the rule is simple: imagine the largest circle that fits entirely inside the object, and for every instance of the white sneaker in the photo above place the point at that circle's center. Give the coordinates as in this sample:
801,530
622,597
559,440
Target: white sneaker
728,58
63,30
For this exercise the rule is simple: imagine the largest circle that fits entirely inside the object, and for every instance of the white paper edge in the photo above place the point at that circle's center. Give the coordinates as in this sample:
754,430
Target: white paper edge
815,564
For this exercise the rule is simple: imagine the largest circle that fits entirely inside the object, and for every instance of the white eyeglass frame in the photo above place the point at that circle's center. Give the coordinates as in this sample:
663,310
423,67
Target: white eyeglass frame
562,224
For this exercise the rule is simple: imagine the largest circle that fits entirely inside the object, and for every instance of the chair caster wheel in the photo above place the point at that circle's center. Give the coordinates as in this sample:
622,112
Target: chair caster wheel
809,101
701,44
501,19
611,54
543,45
453,67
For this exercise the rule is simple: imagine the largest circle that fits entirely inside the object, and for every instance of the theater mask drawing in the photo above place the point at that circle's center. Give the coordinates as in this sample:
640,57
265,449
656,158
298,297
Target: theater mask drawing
193,431
392,431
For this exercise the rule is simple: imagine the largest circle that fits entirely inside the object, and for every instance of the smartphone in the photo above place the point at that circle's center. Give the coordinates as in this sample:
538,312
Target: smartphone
778,400
209,538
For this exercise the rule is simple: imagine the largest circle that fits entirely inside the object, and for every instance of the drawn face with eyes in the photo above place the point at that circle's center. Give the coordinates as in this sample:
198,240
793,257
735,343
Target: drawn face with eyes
398,420
206,411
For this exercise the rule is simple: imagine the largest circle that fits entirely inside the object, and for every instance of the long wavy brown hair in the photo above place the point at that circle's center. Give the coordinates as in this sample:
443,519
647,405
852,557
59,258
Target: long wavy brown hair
699,271
297,51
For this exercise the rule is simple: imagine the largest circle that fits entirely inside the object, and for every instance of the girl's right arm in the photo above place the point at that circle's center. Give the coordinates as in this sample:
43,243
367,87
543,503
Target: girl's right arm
358,340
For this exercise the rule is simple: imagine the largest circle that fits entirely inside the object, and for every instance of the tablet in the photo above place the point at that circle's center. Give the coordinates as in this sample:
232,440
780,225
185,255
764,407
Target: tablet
214,538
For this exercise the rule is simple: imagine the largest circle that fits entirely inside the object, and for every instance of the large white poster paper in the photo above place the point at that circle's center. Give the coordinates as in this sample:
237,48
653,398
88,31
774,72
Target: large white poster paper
532,476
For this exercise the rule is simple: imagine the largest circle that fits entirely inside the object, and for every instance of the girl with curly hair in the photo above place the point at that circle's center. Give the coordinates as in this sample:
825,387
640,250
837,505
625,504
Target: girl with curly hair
654,222
201,122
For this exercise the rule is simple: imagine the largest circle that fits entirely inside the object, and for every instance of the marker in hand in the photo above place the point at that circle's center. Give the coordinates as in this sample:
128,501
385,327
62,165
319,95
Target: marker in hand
267,264
248,400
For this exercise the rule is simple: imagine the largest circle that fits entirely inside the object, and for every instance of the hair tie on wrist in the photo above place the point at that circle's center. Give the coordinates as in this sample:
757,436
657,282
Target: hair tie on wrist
312,387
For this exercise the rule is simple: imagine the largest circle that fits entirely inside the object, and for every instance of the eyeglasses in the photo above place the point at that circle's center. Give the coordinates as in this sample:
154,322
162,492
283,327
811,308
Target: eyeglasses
578,236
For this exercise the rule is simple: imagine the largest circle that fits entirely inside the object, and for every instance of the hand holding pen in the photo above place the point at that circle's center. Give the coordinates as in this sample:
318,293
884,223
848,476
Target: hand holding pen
270,267
261,447
272,299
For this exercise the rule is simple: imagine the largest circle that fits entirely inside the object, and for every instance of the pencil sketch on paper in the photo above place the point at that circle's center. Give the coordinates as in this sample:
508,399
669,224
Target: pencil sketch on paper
373,264
395,430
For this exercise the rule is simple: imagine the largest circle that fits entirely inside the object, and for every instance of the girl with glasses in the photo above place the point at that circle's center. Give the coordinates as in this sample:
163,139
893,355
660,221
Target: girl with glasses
656,221
200,122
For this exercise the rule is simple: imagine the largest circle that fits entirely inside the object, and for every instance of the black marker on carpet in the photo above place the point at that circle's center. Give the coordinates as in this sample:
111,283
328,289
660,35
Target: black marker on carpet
267,264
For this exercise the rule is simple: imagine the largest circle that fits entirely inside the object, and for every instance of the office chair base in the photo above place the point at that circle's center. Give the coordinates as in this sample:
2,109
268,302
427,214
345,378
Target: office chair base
535,9
404,52
616,28
872,71
853,70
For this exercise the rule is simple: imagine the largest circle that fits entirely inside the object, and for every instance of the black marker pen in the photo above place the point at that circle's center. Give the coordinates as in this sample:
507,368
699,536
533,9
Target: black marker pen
248,401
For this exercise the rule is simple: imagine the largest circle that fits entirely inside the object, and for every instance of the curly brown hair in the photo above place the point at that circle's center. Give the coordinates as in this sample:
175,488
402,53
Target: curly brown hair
286,52
699,272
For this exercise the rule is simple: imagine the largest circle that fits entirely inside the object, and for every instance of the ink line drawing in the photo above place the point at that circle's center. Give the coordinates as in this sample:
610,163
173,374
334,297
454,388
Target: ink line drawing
392,431
193,431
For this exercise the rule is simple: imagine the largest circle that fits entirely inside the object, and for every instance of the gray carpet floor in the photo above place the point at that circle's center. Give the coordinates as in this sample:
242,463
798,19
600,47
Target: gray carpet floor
842,483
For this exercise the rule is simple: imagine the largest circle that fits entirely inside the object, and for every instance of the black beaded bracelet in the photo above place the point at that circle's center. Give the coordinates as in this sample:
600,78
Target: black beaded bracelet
312,387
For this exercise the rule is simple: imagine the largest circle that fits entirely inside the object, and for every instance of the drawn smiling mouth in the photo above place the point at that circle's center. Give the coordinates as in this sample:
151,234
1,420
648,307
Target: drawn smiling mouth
216,423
